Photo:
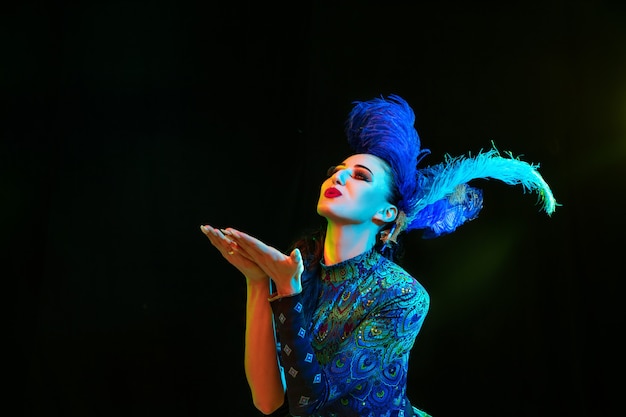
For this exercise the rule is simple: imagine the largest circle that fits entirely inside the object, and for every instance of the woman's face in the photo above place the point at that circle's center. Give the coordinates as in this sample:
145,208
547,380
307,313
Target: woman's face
357,191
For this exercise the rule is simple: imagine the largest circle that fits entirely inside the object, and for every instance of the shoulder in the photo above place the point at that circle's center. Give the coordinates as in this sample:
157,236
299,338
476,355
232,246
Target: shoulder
399,283
394,273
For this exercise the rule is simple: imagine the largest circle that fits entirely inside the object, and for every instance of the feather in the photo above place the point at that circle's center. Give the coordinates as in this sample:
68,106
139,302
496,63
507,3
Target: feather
441,205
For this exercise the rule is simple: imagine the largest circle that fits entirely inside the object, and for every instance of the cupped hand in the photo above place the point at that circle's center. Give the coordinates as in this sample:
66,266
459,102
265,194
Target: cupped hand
284,270
235,255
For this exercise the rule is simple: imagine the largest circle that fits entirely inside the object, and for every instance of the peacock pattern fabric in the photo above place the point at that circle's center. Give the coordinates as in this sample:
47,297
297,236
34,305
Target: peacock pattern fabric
352,358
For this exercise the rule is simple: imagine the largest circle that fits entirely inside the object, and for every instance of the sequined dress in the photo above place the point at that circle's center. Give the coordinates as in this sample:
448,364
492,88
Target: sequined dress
352,359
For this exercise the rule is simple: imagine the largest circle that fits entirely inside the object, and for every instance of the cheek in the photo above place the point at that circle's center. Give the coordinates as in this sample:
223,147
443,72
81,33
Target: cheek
374,195
370,202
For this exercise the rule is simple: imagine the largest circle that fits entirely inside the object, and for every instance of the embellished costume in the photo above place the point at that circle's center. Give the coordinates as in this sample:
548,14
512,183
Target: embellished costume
344,342
352,358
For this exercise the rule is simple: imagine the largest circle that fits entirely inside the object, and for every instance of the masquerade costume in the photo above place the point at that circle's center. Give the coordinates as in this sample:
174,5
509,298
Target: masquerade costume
347,354
352,360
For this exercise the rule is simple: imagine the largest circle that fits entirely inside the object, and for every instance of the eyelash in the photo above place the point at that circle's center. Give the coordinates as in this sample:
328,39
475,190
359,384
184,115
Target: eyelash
357,173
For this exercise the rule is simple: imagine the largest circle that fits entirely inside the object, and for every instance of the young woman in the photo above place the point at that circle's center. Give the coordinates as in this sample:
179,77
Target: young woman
330,325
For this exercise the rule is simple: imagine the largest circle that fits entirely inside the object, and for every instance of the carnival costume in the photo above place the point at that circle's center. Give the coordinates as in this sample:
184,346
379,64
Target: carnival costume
347,355
352,360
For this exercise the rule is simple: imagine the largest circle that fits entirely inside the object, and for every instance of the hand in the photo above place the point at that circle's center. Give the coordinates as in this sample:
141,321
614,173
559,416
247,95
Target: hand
233,254
284,270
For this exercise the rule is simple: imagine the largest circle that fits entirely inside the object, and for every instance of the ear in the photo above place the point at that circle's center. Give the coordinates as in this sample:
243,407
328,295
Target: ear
387,214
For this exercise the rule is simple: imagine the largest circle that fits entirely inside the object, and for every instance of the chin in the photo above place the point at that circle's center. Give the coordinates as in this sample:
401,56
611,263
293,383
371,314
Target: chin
324,211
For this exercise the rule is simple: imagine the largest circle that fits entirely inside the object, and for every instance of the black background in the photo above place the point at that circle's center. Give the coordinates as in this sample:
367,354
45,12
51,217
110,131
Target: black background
127,124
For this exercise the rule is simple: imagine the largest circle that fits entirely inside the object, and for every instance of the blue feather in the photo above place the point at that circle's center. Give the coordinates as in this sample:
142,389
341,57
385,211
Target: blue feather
444,200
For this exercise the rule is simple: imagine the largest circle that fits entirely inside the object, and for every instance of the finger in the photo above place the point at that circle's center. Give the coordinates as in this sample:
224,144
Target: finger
235,249
225,245
228,236
251,245
216,234
254,246
206,229
210,233
231,247
213,234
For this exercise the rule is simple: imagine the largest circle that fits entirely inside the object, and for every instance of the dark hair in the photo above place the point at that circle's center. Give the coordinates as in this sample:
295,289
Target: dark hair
311,245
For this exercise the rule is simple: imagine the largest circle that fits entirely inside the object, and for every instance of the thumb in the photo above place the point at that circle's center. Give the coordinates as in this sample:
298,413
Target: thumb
296,256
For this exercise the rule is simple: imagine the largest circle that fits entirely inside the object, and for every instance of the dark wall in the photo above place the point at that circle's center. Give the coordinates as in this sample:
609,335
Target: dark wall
126,125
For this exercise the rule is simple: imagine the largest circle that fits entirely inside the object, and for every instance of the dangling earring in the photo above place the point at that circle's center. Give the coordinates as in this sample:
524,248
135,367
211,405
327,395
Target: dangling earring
385,236
392,234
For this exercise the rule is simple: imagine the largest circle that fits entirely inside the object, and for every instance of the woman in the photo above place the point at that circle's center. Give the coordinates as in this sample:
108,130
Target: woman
341,311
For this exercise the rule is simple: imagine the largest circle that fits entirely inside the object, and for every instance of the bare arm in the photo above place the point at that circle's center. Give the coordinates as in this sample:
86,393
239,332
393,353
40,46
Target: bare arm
263,373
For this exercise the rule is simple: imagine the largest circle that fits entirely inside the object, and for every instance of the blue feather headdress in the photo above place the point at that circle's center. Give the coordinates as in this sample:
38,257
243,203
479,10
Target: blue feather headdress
436,198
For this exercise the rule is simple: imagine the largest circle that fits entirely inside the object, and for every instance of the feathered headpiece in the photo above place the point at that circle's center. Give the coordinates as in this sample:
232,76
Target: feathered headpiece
435,198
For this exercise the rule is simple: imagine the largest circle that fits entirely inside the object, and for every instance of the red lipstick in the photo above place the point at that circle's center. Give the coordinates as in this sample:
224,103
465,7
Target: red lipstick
332,192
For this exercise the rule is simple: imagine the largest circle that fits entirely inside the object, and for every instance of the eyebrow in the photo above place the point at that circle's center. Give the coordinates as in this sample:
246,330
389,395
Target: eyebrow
364,167
359,166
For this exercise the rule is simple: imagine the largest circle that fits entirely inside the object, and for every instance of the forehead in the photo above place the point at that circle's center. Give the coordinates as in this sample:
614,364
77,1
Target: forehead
374,163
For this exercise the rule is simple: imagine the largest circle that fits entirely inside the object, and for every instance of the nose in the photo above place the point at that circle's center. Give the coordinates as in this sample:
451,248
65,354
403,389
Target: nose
340,176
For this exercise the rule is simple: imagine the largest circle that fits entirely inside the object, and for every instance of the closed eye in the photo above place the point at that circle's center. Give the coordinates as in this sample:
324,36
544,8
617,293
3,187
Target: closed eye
359,172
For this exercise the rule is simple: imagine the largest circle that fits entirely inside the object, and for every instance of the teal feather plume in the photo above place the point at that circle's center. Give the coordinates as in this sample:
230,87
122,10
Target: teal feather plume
440,182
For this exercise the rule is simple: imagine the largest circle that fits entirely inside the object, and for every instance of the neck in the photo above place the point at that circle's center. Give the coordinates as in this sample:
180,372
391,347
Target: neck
347,241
